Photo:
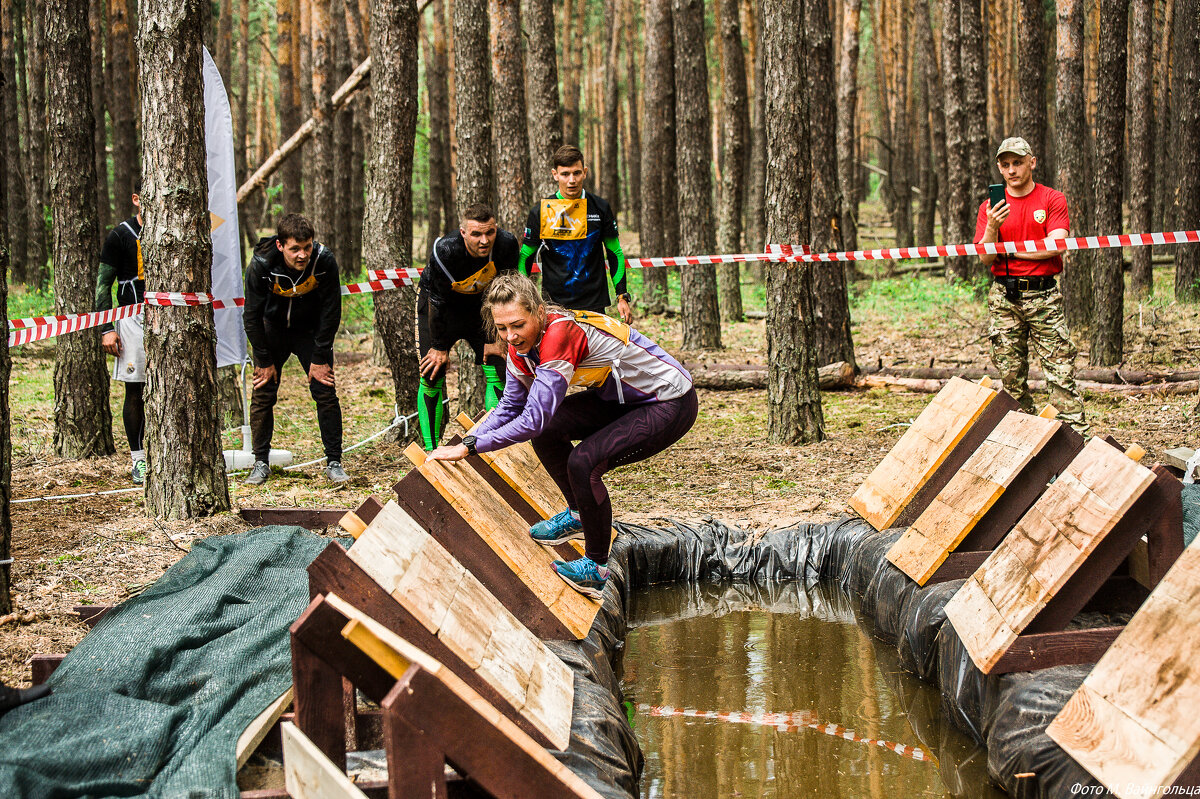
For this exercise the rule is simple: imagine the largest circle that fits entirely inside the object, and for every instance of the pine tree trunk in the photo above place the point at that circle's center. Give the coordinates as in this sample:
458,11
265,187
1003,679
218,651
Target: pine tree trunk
343,137
794,414
609,165
658,109
1108,280
980,158
122,84
513,192
473,89
899,178
1073,178
544,121
831,311
36,139
241,123
734,116
1185,103
387,230
99,100
303,61
1031,77
291,197
926,177
1141,140
847,103
934,92
16,212
572,41
223,54
954,228
633,144
186,475
323,202
5,429
698,284
441,197
82,422
1164,163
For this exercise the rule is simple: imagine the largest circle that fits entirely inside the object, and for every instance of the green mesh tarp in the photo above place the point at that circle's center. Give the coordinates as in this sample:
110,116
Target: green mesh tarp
1191,512
153,700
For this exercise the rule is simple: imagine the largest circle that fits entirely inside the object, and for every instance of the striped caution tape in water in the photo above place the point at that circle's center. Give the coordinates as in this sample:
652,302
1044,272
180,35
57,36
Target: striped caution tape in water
803,719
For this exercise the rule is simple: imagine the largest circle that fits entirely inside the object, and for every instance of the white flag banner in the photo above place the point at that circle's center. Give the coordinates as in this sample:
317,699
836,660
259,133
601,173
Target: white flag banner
222,209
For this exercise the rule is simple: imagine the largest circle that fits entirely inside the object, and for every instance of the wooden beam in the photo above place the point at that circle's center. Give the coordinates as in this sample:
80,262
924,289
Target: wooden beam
42,666
257,730
340,97
309,774
319,711
308,518
91,614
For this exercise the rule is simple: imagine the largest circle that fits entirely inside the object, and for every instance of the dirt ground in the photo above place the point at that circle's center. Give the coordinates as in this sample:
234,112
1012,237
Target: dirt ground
103,549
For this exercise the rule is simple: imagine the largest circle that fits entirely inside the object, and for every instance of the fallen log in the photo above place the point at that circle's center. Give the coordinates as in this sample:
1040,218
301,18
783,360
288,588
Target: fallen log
831,377
934,385
1114,376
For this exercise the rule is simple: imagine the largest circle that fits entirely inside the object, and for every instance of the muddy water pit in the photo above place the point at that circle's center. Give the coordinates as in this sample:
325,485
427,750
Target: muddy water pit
780,691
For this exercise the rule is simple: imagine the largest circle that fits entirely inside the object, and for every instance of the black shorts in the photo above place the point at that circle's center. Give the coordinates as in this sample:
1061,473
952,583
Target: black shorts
464,327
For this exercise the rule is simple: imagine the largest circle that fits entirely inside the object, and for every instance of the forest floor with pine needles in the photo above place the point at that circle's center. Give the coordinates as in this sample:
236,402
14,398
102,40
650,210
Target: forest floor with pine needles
102,550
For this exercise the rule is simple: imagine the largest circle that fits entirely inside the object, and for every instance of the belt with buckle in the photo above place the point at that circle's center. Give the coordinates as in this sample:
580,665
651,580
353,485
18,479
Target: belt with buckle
1037,283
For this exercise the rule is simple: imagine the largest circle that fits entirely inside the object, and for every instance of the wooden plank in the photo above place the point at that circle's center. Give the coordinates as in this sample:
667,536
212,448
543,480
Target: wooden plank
308,773
1062,648
508,536
1177,458
421,500
319,712
308,518
1112,745
920,452
1056,557
257,730
481,742
509,659
458,609
91,614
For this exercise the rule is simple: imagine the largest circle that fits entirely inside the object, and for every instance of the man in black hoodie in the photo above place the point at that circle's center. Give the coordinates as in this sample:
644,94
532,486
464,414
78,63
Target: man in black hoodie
293,307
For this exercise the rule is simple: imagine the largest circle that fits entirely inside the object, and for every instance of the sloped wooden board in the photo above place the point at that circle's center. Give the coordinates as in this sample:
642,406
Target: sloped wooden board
455,504
1050,543
923,448
418,572
1134,722
971,494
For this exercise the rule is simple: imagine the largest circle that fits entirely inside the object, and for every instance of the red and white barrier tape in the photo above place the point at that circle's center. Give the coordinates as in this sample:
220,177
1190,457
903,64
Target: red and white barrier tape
790,722
36,328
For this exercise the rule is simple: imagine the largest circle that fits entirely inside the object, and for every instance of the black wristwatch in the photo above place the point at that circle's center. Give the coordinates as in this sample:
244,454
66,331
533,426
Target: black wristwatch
469,443
624,296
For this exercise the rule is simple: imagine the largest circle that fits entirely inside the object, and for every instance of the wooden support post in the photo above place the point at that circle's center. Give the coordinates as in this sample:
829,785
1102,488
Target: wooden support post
308,771
42,666
318,697
416,765
356,521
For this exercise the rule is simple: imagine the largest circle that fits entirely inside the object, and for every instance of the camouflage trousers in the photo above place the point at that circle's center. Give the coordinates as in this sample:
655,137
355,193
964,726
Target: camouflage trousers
1036,322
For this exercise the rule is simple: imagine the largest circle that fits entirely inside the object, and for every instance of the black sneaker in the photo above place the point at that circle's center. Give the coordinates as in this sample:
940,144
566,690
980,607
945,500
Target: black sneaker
258,475
335,473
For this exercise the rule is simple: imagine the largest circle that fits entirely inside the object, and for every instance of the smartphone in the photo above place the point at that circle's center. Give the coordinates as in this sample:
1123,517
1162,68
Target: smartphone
995,194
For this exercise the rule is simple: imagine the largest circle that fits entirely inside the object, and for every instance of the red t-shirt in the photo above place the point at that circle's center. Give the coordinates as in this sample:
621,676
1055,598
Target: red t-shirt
1032,218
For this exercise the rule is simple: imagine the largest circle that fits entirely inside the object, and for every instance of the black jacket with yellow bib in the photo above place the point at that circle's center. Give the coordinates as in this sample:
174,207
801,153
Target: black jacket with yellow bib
454,281
283,301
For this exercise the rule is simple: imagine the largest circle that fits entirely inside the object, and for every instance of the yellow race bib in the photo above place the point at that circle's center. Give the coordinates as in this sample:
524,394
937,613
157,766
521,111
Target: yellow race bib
564,220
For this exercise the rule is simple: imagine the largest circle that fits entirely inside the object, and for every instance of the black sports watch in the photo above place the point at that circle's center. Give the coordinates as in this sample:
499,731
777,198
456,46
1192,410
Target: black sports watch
624,296
469,443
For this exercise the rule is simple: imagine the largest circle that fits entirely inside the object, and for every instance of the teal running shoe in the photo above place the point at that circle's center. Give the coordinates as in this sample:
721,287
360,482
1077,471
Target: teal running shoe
139,472
557,529
584,575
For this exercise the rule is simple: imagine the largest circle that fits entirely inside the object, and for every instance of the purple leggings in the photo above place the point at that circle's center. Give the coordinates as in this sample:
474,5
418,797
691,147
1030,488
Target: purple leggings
610,434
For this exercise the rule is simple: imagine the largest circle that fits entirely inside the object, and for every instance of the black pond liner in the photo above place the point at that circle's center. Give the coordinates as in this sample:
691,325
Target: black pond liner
1009,714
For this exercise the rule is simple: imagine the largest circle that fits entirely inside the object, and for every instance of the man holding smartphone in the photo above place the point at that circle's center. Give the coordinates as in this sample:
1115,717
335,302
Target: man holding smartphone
1025,304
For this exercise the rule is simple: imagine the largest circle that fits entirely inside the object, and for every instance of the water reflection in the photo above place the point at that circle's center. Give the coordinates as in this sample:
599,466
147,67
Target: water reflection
777,691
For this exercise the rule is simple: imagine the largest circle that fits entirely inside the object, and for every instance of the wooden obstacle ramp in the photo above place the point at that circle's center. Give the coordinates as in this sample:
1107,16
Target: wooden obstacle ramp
490,539
1012,613
995,487
430,715
931,451
1133,724
406,580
